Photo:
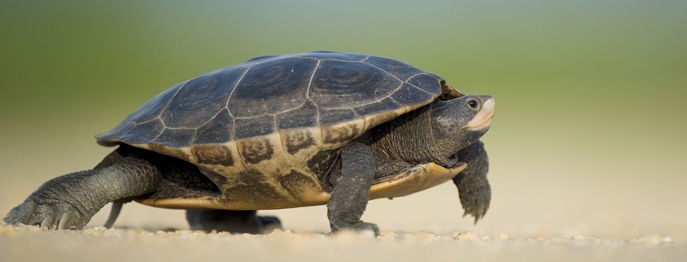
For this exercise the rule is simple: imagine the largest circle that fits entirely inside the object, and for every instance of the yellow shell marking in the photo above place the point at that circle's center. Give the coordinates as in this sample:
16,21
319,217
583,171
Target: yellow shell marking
413,180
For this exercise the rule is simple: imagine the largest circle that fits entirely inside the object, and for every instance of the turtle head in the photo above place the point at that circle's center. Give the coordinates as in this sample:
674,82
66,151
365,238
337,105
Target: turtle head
459,122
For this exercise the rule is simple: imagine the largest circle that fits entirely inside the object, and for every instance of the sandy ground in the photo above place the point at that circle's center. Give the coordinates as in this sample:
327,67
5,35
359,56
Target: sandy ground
100,244
414,228
545,212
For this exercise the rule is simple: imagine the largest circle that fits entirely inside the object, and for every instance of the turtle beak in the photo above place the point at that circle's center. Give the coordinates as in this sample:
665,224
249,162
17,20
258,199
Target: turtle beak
483,117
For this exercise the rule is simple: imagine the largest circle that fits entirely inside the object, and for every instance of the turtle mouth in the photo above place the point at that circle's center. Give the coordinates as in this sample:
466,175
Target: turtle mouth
454,160
483,118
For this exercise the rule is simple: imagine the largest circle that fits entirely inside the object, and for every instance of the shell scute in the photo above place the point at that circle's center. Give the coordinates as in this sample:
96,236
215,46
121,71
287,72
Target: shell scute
338,85
332,116
152,109
428,83
144,133
270,88
213,155
303,116
409,96
257,126
175,138
200,99
398,69
381,112
218,130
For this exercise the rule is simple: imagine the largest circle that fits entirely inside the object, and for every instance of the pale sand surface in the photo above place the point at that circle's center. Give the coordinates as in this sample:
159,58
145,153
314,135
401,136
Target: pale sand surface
556,210
100,244
414,228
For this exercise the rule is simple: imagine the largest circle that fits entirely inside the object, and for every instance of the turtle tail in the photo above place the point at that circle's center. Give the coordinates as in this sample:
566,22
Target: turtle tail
114,212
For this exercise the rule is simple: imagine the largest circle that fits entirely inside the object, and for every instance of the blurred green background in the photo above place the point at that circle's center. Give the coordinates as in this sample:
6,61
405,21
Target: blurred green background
589,135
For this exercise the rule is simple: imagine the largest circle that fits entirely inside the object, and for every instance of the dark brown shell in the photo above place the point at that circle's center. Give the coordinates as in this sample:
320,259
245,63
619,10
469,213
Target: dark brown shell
266,94
277,120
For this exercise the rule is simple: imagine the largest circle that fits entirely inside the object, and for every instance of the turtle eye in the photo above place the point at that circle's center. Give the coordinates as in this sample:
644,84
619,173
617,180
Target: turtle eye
473,104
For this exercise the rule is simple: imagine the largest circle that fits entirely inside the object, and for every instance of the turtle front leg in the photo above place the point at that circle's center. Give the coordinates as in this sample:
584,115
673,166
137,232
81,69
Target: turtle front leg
473,187
352,189
70,201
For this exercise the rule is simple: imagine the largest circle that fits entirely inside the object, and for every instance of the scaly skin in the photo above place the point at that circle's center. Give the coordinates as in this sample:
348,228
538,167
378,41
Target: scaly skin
70,201
352,189
473,187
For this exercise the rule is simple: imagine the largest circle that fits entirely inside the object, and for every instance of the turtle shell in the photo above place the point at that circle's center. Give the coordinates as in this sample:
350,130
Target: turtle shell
273,124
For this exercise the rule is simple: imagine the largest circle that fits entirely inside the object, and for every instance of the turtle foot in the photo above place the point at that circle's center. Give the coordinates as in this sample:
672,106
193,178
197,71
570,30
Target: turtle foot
360,226
231,221
47,213
269,223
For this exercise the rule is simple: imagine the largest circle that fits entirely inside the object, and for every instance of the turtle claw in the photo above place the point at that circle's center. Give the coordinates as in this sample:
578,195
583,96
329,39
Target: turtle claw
45,222
360,226
63,221
48,214
477,214
477,209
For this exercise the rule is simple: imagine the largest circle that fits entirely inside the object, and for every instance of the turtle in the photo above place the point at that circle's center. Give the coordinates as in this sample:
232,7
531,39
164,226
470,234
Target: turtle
279,132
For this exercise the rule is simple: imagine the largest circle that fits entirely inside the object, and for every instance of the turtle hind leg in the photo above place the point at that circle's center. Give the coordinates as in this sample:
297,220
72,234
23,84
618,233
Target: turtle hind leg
71,200
233,221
